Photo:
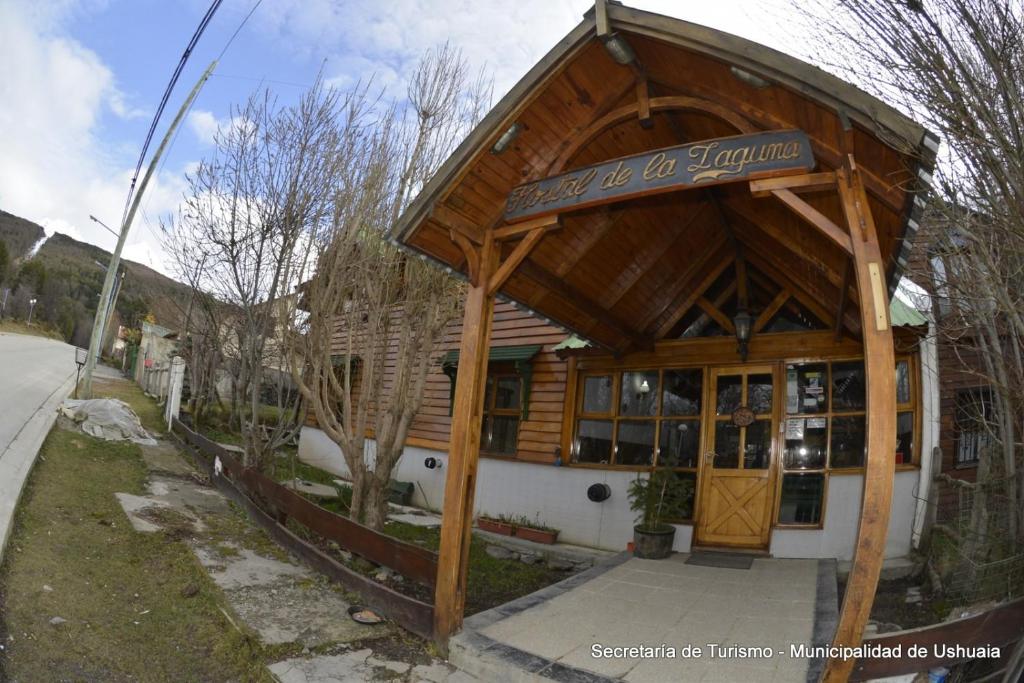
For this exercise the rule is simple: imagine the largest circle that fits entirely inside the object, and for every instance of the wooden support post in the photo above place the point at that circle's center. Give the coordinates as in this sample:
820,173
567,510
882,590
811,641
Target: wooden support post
464,449
879,363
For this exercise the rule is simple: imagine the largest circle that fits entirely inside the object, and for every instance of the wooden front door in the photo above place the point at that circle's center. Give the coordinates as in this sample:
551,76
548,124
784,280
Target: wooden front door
739,461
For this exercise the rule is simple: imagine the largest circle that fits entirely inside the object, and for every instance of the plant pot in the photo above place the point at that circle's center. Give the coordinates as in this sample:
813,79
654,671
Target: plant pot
495,527
653,544
536,535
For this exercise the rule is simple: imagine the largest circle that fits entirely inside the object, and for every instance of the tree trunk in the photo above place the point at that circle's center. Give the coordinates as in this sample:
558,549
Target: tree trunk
376,506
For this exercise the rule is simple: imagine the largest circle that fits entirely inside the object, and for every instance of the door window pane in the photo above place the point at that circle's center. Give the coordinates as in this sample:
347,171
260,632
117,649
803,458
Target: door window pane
904,438
759,393
507,393
639,393
504,430
730,394
727,445
679,444
635,443
848,386
801,498
848,441
902,381
805,388
682,393
757,450
597,394
806,443
594,441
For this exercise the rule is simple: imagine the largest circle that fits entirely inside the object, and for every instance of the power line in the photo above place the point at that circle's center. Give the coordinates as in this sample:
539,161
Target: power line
204,22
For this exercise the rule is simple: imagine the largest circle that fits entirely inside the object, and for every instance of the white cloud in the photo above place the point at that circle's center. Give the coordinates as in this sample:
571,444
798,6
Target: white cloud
204,124
54,167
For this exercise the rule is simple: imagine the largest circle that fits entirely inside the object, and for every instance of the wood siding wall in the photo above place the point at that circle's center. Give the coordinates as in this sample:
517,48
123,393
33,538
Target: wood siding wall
539,435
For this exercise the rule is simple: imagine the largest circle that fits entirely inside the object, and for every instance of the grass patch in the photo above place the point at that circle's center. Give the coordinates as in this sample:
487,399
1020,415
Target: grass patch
491,581
71,534
36,330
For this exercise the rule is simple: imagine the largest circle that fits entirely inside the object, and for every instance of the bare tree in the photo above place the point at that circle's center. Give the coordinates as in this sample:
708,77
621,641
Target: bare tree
956,66
376,316
240,237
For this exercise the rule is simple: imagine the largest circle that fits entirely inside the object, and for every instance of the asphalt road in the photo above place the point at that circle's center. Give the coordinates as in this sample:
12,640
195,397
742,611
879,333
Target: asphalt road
31,369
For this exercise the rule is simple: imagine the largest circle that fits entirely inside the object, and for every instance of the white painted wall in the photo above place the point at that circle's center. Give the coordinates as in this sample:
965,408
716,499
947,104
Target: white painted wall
560,498
515,488
842,515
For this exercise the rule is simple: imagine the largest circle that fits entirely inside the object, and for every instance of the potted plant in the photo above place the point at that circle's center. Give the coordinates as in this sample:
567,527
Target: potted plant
496,525
534,530
660,496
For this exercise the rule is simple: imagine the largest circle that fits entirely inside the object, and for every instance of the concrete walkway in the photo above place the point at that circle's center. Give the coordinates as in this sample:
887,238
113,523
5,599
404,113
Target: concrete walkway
629,602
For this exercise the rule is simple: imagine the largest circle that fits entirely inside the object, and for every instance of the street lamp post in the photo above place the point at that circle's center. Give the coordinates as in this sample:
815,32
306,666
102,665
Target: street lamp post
31,306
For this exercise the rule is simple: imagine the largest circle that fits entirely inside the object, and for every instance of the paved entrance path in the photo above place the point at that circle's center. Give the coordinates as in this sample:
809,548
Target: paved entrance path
662,602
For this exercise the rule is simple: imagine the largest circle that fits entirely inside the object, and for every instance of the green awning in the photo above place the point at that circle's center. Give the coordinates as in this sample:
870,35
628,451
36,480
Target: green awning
905,316
498,354
519,356
571,342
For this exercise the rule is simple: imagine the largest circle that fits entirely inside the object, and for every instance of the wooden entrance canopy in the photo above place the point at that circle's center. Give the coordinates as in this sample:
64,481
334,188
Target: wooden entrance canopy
622,271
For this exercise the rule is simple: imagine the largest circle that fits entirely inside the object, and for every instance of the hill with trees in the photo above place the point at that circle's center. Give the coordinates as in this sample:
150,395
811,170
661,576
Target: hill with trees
65,276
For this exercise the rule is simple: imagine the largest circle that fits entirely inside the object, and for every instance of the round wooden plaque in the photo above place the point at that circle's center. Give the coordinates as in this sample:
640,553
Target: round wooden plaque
743,417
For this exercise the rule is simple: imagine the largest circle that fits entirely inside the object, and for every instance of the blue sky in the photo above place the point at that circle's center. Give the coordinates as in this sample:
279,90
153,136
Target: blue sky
81,79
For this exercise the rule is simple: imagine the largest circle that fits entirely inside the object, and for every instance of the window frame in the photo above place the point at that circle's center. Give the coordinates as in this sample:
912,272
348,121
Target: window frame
958,424
496,372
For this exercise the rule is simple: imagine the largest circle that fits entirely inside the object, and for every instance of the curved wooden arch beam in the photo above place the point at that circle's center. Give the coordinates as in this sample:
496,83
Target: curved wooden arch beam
655,104
879,360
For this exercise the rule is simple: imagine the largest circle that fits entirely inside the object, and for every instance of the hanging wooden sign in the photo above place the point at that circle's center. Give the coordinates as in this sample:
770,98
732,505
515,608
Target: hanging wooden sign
695,164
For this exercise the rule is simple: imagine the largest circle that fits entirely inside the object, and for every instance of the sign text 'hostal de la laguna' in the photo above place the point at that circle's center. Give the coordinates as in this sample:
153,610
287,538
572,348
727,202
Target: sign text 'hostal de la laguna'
709,162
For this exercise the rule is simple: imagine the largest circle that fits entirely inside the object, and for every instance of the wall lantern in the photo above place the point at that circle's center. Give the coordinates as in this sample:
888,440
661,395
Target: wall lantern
507,138
619,49
742,322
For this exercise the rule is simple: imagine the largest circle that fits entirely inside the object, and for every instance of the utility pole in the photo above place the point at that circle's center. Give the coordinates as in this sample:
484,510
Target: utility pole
106,302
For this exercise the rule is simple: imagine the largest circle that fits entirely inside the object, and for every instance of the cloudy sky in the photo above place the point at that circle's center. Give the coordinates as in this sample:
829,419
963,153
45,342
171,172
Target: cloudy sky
81,80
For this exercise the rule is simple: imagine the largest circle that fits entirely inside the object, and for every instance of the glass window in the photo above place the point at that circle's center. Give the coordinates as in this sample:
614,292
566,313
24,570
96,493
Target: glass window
806,443
802,498
507,392
730,394
594,441
639,394
682,392
848,386
902,381
597,394
974,431
806,390
500,430
758,446
904,438
679,444
727,445
759,393
848,441
635,442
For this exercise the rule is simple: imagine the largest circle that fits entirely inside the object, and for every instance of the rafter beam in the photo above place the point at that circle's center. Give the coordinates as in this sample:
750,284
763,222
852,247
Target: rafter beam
582,302
454,220
512,261
841,308
516,230
684,304
773,307
816,218
804,182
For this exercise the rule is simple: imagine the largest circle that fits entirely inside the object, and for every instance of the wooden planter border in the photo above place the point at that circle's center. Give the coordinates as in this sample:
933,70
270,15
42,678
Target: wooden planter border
411,614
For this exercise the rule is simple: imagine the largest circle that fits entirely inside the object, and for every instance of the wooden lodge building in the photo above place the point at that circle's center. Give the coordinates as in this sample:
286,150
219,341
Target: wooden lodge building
680,248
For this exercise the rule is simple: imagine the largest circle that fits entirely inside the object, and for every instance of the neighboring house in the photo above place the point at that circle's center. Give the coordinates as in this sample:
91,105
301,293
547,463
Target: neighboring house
153,362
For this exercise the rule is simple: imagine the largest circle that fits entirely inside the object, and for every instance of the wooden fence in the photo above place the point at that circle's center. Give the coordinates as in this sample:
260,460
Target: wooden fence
411,561
1000,627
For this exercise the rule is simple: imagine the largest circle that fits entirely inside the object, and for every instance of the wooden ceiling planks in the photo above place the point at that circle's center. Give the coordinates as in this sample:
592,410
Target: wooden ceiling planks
634,264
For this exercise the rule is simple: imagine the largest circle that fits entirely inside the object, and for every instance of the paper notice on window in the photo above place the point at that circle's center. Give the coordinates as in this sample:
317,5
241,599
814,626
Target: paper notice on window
817,423
792,394
795,429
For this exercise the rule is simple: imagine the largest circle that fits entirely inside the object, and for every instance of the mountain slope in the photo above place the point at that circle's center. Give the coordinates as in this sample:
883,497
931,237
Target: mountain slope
18,234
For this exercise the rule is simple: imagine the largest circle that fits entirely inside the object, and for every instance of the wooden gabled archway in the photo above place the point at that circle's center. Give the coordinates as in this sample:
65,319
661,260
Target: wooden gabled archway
623,263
